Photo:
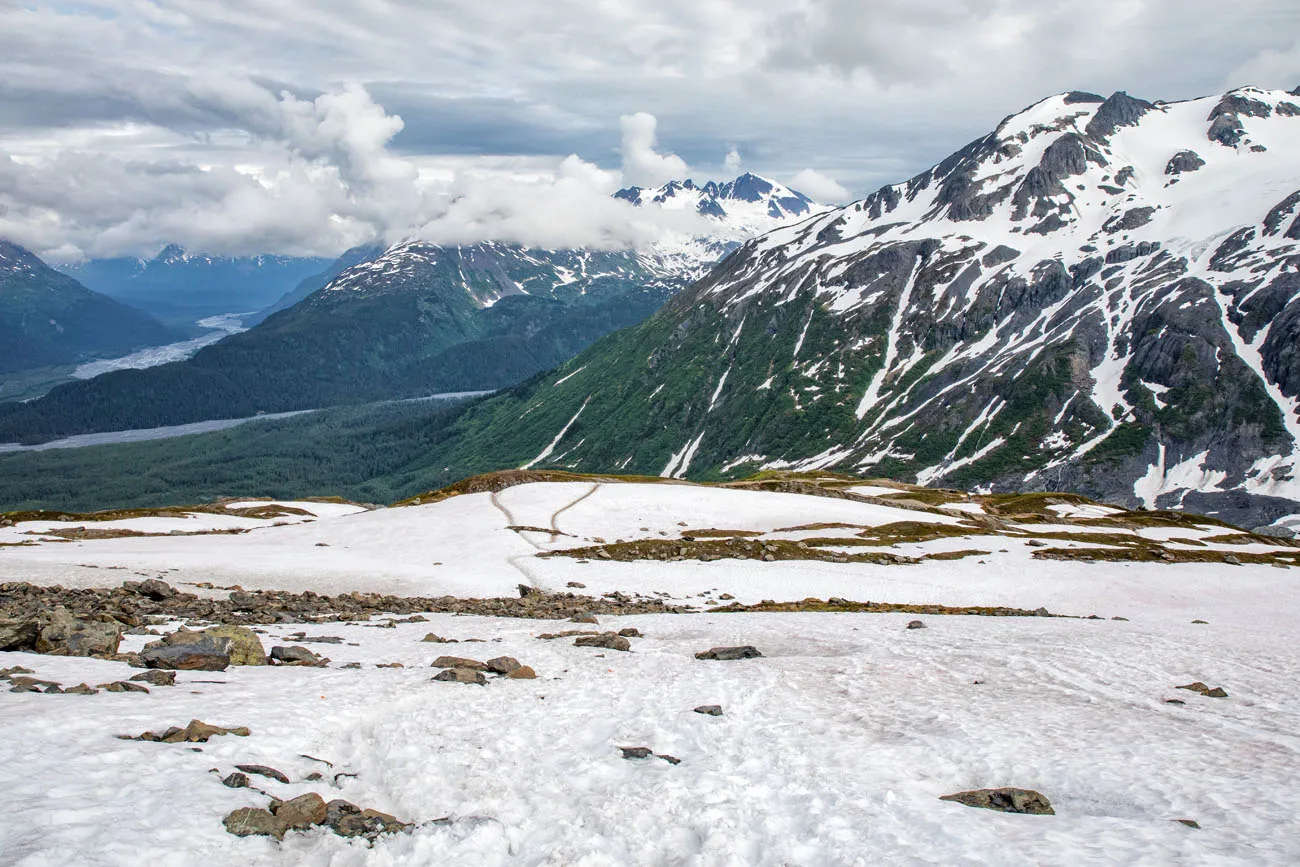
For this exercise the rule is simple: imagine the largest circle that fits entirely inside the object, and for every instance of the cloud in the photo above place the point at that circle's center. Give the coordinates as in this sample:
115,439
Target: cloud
731,162
822,188
642,165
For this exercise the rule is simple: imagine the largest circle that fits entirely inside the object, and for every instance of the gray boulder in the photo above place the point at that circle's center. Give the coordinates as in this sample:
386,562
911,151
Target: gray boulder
188,651
747,651
65,635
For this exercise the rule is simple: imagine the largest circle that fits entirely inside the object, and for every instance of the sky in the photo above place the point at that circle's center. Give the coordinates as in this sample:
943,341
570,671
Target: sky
304,127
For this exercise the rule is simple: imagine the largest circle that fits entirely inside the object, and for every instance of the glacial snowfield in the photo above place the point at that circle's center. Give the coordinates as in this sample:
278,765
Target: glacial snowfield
833,748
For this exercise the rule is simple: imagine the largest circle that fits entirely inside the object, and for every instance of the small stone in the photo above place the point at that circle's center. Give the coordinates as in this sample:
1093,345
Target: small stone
503,664
350,665
459,662
235,780
1191,823
264,771
434,638
915,624
577,585
1197,686
1006,800
583,617
630,632
1174,701
122,686
155,589
81,689
302,811
296,656
747,651
1216,692
1117,617
710,709
156,677
672,760
606,640
461,675
523,672
369,824
637,752
253,821
1202,622
1232,560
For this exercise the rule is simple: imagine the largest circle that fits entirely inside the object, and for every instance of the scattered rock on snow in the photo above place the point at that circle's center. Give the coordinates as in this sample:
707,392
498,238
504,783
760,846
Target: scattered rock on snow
65,635
432,638
1005,800
245,647
235,780
254,821
915,624
747,651
503,664
606,640
583,617
1191,823
637,752
630,632
264,771
301,812
1210,692
156,677
296,656
459,662
523,672
196,732
461,675
122,686
710,709
188,651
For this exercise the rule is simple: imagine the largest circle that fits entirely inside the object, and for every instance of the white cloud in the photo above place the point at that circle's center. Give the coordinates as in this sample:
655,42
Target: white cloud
731,162
822,188
642,164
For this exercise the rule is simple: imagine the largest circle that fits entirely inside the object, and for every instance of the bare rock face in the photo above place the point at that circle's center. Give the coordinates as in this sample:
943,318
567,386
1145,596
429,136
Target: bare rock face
62,634
1006,800
747,651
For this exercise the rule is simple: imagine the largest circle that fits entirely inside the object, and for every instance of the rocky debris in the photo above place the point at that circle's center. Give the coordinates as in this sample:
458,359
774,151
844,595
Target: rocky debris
236,780
1209,692
568,633
1006,800
583,617
459,662
438,639
606,640
264,771
523,672
915,624
296,656
63,634
122,686
254,821
21,603
21,683
197,732
349,820
186,650
747,651
461,675
630,632
81,689
381,665
710,709
503,665
1174,701
156,677
301,812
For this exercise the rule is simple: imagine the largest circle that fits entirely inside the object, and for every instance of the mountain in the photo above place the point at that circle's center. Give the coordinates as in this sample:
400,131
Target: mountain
417,319
308,285
1101,295
749,202
48,318
180,287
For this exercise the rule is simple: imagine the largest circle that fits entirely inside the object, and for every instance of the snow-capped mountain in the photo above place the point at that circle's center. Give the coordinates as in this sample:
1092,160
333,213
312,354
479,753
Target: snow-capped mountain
749,202
1099,295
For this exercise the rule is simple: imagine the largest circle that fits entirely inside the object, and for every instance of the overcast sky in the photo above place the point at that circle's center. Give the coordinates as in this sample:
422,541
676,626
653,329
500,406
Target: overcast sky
304,126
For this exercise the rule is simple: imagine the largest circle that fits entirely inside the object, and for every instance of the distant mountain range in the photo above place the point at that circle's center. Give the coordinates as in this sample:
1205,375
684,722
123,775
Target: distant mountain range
415,319
1101,295
180,288
48,318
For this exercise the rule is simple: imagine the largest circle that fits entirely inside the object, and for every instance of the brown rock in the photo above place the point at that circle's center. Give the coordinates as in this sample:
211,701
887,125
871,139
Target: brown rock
1005,800
747,651
253,821
461,675
459,662
302,811
185,650
606,640
523,672
156,677
264,771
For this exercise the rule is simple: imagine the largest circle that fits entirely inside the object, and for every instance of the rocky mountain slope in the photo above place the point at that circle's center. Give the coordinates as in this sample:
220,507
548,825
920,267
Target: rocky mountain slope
1100,295
47,318
414,320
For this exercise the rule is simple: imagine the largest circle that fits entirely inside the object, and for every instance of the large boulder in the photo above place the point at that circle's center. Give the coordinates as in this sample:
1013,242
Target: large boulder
62,634
1006,800
245,647
301,812
254,821
19,634
188,651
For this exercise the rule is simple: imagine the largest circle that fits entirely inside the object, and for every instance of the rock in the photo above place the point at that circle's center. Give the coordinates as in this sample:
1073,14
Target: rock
630,632
915,624
672,760
336,809
122,686
461,675
264,771
1210,692
19,634
503,664
188,651
1201,622
245,647
606,640
577,585
1007,800
17,669
369,824
523,672
350,665
81,689
302,812
1191,823
1216,692
747,651
710,709
438,639
459,662
154,589
583,617
254,821
157,677
235,780
1184,161
196,732
636,752
30,684
296,656
1174,701
65,635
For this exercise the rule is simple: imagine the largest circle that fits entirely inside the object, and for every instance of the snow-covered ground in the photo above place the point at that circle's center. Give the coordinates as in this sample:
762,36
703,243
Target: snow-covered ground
833,749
